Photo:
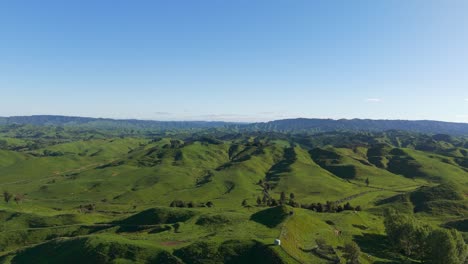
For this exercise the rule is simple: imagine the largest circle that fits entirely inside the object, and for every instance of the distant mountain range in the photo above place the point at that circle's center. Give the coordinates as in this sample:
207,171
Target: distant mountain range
325,125
299,125
56,120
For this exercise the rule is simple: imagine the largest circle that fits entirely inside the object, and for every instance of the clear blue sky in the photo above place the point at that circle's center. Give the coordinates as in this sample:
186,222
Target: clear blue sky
241,60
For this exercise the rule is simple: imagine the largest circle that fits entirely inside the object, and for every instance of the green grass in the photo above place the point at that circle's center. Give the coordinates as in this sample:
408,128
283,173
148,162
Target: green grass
131,181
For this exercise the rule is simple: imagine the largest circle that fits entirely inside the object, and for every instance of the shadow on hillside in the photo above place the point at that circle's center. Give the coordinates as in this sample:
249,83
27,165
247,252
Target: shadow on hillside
271,217
274,172
332,162
377,245
460,225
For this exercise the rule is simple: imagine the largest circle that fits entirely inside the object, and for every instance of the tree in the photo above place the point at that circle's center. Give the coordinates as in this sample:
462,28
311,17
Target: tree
462,247
292,196
293,203
273,202
265,199
406,234
330,207
319,207
339,208
312,206
348,206
436,246
7,196
351,253
445,247
178,203
259,201
367,182
282,197
244,202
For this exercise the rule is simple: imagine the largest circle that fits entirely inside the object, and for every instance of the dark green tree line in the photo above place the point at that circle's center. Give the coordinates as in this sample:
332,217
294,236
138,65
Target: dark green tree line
422,242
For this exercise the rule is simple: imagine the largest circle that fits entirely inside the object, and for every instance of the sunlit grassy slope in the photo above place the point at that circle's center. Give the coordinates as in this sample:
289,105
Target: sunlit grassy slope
105,199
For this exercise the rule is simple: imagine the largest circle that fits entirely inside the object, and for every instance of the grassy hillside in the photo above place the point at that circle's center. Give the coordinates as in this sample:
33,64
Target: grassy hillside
219,197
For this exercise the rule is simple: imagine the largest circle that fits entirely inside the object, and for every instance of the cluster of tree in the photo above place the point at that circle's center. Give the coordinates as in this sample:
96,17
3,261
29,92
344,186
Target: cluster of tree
190,204
329,207
422,242
351,252
267,200
7,197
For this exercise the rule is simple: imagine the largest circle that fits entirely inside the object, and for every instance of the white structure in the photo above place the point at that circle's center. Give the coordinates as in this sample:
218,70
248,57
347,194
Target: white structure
277,242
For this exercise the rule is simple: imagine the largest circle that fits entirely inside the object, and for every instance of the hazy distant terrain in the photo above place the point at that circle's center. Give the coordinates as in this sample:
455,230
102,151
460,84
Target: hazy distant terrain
106,191
299,125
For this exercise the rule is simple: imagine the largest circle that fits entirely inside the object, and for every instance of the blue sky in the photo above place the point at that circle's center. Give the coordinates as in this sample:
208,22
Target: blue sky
240,60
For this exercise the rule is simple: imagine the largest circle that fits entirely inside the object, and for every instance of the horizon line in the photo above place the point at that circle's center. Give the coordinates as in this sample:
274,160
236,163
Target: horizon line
233,122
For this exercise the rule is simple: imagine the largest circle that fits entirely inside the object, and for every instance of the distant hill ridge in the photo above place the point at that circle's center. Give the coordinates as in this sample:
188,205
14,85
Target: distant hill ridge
285,125
325,125
58,120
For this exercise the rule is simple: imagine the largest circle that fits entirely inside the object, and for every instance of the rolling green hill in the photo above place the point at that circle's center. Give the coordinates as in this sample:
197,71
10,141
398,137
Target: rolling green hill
79,194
